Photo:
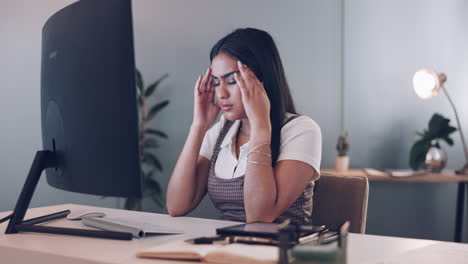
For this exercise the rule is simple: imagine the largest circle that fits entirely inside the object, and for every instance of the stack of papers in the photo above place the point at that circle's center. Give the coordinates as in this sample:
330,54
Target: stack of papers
393,173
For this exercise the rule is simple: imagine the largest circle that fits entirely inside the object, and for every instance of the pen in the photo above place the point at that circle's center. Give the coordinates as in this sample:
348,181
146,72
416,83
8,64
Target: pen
253,240
232,239
205,240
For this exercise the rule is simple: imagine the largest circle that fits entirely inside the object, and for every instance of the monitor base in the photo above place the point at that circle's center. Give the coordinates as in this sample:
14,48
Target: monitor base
46,159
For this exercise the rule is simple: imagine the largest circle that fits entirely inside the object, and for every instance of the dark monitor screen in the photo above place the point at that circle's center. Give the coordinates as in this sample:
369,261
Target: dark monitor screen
88,99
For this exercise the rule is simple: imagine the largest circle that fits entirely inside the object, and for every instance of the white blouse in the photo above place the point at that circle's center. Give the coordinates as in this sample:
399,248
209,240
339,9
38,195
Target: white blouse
301,140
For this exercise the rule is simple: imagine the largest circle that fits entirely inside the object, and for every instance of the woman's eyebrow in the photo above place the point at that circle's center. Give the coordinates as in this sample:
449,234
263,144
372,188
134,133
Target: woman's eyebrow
225,75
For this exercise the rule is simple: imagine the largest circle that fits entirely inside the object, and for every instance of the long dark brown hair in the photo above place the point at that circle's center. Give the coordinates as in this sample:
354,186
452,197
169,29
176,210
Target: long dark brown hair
256,49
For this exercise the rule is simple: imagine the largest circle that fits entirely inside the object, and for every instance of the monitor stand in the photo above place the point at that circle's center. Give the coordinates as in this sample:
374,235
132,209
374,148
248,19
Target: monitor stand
47,159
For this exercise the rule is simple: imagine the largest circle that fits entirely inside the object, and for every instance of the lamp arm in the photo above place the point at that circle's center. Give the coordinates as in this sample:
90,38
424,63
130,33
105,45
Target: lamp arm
458,122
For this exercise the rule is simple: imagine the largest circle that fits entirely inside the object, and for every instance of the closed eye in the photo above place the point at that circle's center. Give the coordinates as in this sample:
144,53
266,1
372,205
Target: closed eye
228,77
230,82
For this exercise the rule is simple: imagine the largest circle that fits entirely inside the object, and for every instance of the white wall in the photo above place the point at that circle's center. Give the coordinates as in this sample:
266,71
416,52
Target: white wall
385,43
176,37
172,37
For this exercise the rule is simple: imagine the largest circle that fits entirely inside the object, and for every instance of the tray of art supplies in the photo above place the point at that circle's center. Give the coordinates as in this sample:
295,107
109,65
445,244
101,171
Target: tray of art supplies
297,243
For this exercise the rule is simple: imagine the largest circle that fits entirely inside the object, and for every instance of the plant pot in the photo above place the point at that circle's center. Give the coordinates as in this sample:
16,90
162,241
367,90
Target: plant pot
436,158
342,163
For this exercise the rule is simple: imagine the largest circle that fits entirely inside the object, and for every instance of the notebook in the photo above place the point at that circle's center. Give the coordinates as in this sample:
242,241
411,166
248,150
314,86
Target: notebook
213,253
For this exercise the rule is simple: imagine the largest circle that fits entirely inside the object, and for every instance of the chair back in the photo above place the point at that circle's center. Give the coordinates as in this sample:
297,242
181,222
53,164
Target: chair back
341,198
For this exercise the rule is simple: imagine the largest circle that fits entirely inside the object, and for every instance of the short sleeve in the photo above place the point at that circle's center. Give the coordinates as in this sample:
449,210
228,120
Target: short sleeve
210,138
301,139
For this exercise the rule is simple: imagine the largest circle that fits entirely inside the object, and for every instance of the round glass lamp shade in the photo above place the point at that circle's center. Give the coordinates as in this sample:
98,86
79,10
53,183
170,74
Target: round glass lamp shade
426,83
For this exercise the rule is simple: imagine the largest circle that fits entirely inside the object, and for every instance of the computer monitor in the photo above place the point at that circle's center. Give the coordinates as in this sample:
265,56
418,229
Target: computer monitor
88,105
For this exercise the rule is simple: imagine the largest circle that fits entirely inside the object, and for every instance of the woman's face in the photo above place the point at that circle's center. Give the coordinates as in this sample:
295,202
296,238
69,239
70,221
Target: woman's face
227,92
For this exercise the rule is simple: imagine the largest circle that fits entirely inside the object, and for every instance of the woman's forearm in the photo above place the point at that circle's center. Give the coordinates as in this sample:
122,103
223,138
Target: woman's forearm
260,191
182,188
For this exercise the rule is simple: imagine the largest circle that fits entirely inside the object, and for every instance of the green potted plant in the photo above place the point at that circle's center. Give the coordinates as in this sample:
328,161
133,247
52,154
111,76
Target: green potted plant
149,140
342,160
422,150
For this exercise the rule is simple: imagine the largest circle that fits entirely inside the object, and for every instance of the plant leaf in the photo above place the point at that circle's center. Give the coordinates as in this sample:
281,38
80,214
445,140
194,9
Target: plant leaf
140,100
437,124
158,200
439,128
150,159
153,185
448,140
148,174
418,153
151,88
150,143
139,81
155,191
155,109
156,132
446,131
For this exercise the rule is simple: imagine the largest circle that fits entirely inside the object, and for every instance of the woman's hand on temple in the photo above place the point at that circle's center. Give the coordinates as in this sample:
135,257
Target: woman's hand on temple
255,100
205,110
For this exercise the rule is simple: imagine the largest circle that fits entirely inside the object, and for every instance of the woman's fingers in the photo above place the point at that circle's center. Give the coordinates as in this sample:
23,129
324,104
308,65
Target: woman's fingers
244,76
211,97
211,85
197,85
211,90
251,82
205,80
240,82
204,84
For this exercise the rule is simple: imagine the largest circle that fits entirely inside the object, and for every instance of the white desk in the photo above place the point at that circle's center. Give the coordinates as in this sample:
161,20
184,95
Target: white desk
48,248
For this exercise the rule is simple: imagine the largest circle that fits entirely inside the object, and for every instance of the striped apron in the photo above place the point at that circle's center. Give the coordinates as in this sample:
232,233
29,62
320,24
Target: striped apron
228,194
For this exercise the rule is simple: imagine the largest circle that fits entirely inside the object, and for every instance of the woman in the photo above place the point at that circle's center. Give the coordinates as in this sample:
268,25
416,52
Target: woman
259,161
